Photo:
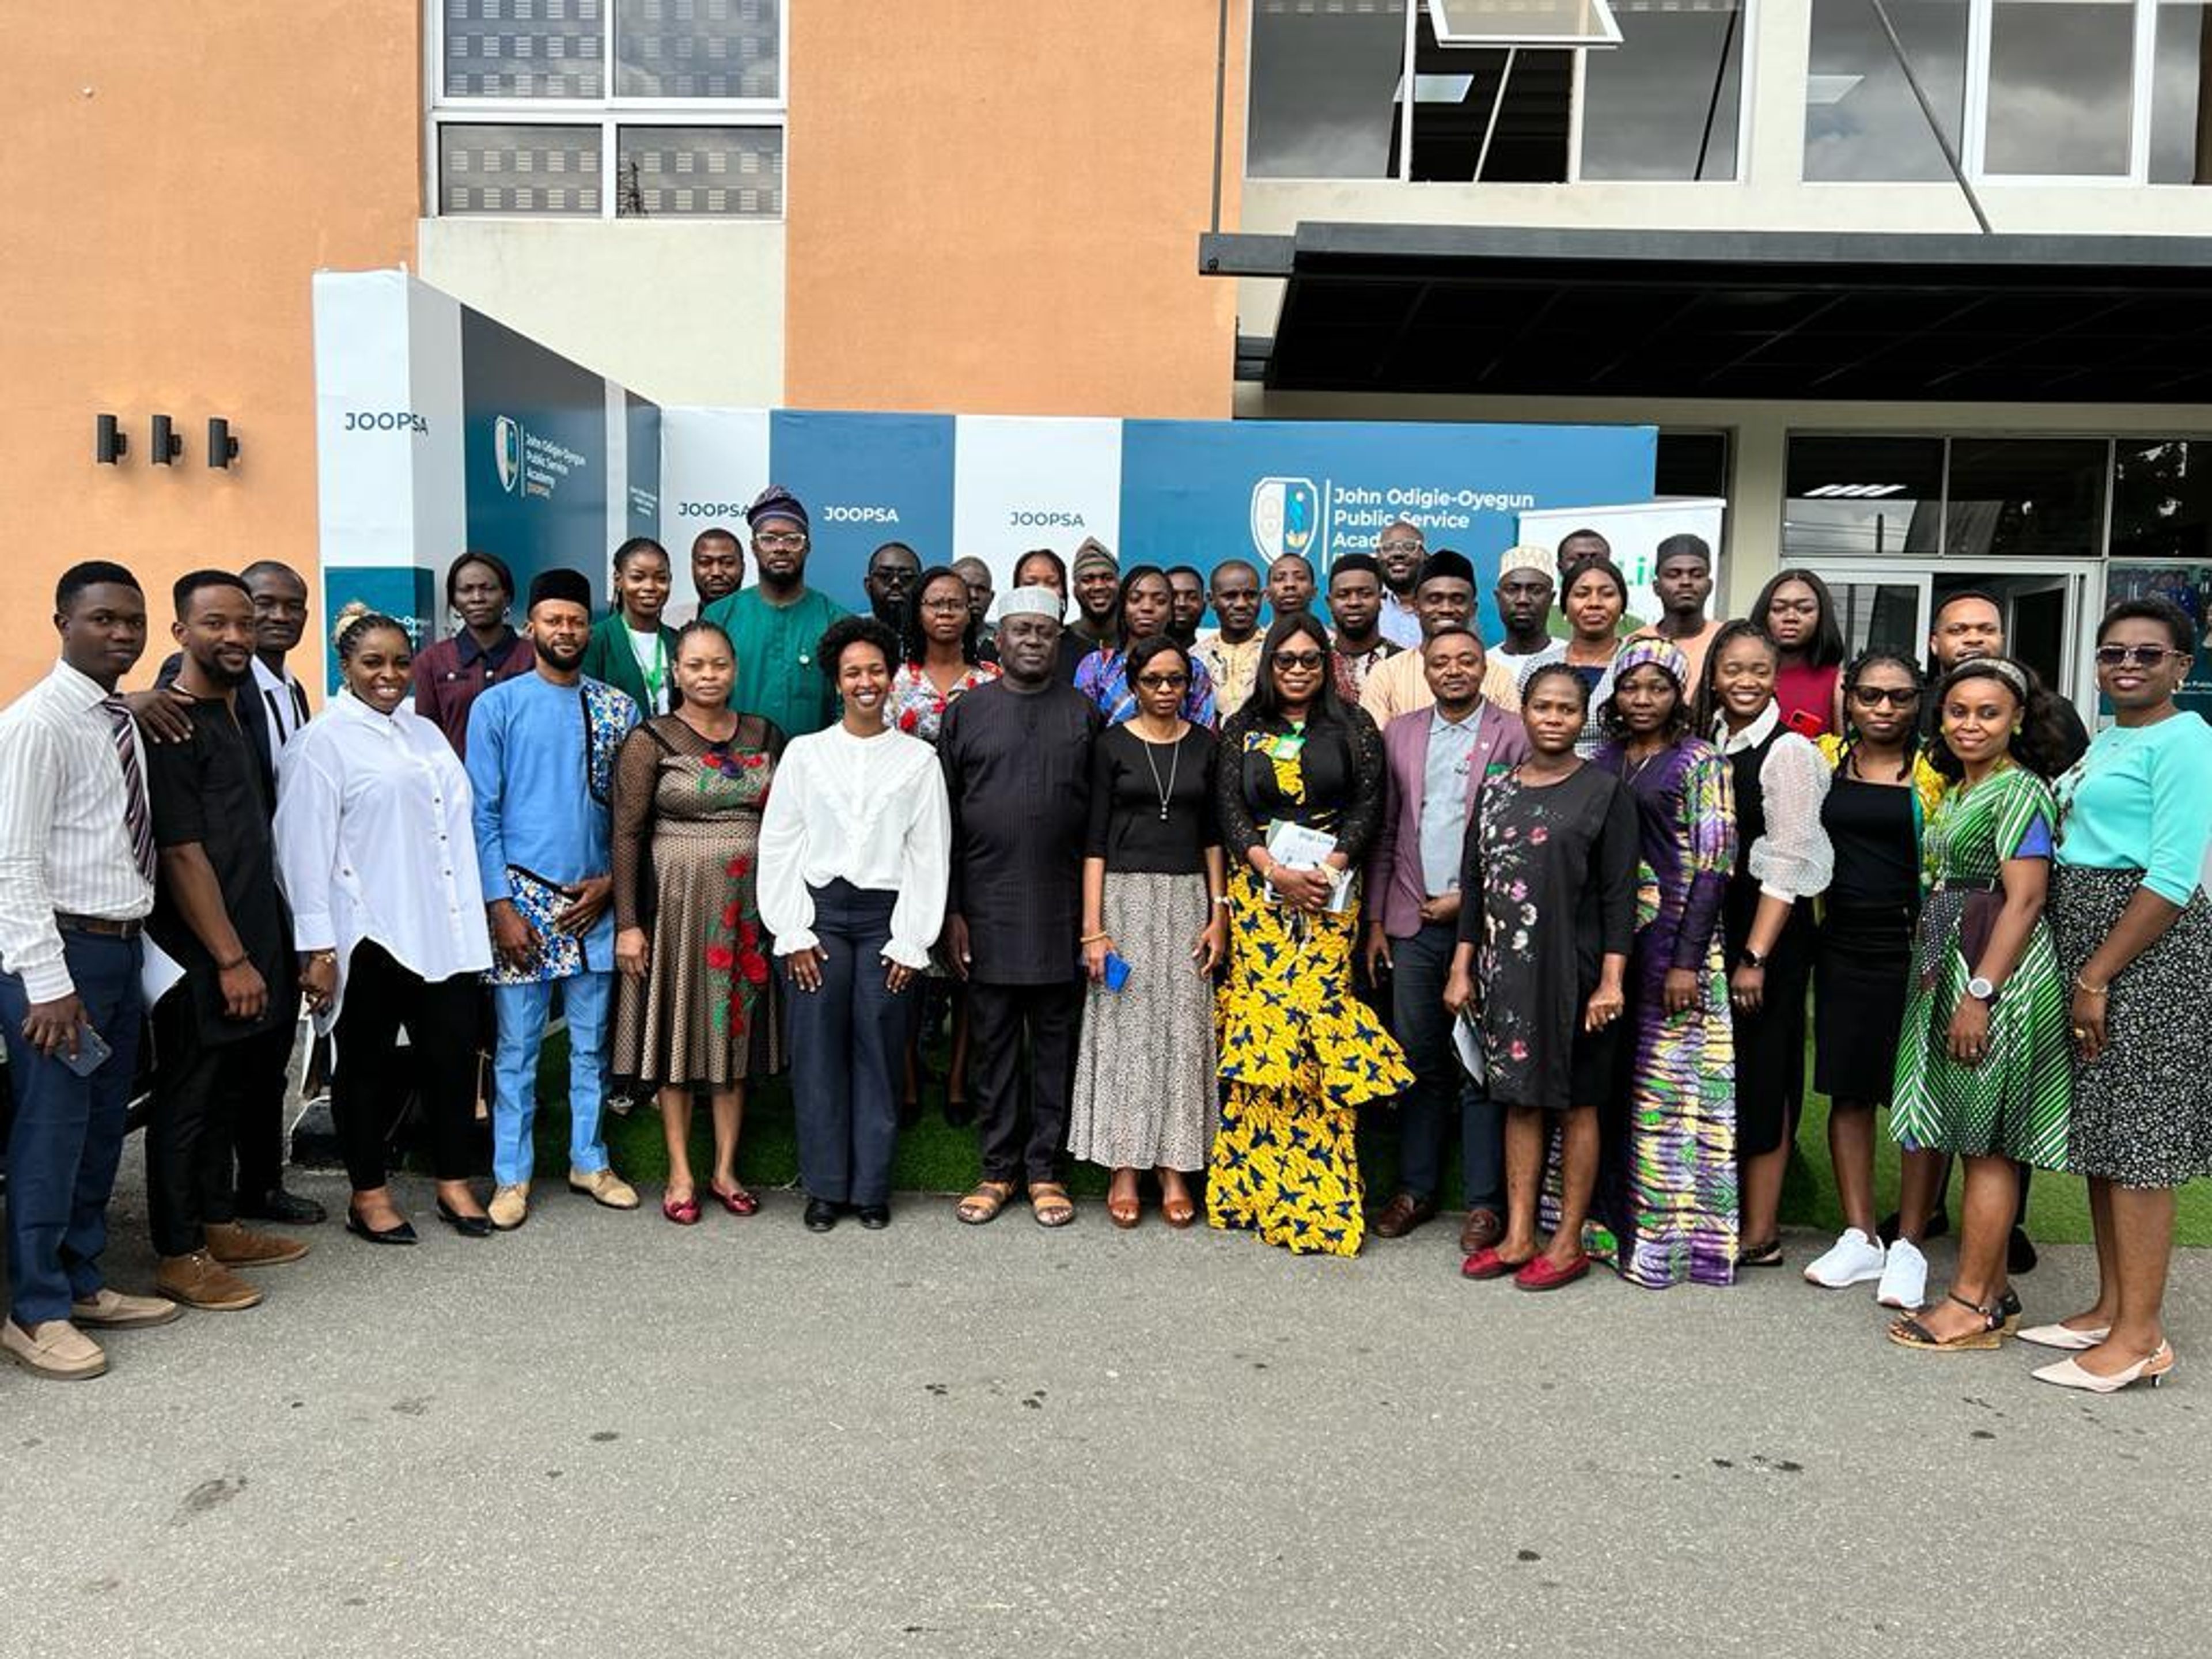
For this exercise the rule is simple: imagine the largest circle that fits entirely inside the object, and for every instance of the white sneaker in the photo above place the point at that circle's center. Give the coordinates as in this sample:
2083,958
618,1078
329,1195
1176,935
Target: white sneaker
1853,1259
1905,1277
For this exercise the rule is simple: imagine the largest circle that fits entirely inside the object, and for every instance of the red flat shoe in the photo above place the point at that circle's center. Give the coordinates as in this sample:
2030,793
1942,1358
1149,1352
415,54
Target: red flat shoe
1485,1263
737,1200
683,1214
1540,1275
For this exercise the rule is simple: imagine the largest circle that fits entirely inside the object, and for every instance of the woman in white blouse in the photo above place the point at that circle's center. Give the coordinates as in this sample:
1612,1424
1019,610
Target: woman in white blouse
379,861
854,854
1784,862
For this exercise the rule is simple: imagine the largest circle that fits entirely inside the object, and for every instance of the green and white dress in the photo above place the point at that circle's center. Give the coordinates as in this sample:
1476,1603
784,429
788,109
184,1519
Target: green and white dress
2015,1102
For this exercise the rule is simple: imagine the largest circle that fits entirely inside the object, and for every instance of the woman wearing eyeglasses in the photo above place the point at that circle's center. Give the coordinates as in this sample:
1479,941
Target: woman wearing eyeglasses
1880,792
1299,794
1154,928
1147,601
2134,929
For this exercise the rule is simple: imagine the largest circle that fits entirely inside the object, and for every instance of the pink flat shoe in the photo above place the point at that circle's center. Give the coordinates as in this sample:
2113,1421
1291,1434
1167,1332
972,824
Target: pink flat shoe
684,1214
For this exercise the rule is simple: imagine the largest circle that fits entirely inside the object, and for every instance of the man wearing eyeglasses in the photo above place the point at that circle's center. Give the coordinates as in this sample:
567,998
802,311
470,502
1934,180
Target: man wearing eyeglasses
1399,550
777,624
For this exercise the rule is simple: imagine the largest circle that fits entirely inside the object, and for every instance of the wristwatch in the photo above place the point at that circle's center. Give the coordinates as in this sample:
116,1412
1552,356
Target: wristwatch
1981,990
1752,959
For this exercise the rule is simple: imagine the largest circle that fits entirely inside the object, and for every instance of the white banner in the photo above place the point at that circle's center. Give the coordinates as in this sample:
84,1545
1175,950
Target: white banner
1021,481
712,462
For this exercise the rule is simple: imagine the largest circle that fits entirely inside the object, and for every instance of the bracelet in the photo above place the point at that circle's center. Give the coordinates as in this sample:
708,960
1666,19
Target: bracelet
1221,901
1093,938
2080,984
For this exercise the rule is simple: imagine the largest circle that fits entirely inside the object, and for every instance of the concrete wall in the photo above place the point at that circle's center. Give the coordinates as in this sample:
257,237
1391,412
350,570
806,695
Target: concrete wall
173,175
682,312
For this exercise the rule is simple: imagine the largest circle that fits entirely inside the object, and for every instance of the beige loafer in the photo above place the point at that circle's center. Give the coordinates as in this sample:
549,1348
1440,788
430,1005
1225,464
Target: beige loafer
55,1349
509,1207
604,1187
112,1310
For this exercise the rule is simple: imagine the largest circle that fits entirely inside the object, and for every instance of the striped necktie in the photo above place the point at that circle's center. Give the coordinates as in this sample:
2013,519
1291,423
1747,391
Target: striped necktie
136,820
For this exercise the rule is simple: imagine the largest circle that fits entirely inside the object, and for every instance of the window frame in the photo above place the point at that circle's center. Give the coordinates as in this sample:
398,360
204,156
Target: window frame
611,114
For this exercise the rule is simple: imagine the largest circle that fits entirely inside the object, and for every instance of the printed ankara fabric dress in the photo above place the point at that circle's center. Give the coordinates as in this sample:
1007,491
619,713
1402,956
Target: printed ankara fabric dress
1300,1054
2015,1102
1665,1201
687,841
917,708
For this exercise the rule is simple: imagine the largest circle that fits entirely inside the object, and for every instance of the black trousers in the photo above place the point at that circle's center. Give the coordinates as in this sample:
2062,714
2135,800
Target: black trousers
369,1089
848,1043
257,1122
999,1018
198,1087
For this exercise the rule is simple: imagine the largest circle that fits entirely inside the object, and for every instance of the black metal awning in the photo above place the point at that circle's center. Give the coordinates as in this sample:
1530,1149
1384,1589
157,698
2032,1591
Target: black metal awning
1729,314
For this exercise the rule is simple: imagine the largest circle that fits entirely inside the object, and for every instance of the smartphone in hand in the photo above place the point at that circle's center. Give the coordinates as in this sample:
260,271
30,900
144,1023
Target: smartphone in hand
92,1052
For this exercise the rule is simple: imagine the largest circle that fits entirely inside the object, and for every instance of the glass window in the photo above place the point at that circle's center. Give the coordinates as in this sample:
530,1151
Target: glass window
1526,22
2062,87
2026,498
1691,464
1665,104
1879,615
2181,96
525,167
1862,495
2162,499
1862,120
1463,129
698,49
699,172
1324,86
525,48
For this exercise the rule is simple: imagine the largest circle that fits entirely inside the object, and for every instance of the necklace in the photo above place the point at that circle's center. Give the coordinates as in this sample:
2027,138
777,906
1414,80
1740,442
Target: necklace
1165,790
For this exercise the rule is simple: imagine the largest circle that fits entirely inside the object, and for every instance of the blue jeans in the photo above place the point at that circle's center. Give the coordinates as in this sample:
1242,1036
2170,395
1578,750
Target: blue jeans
68,1133
1442,1094
522,1011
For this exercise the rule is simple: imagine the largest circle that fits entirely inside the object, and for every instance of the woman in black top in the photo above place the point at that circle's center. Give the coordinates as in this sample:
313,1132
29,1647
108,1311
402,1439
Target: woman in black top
1299,1052
1152,905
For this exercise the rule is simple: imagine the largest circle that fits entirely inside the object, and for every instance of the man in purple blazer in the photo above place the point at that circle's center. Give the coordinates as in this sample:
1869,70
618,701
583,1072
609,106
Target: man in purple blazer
1437,760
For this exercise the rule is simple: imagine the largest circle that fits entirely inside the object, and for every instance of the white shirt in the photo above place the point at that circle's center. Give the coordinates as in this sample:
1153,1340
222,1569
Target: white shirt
1794,858
283,704
646,649
375,841
1400,622
63,845
869,811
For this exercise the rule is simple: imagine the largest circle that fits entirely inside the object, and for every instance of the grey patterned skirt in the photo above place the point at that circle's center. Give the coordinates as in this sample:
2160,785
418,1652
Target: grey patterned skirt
2143,1109
1144,1074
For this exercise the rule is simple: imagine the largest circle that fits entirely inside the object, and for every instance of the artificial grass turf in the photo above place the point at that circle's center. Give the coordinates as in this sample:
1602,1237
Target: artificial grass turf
935,1158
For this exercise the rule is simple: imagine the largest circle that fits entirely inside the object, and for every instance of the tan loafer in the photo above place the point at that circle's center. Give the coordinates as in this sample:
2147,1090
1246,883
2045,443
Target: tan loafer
509,1207
199,1280
604,1187
237,1246
55,1349
112,1310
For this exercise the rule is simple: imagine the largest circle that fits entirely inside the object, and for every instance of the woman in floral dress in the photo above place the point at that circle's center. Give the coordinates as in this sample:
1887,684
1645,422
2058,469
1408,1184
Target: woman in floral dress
689,790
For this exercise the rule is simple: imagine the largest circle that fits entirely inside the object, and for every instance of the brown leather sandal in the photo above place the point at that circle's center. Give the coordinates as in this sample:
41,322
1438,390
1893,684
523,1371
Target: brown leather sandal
1050,1204
984,1203
1125,1211
1177,1209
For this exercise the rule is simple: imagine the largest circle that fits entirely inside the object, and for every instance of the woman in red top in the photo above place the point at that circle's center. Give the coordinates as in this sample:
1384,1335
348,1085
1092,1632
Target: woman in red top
1799,615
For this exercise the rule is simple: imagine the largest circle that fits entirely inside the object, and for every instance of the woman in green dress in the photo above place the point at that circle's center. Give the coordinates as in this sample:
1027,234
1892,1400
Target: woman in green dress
1983,1067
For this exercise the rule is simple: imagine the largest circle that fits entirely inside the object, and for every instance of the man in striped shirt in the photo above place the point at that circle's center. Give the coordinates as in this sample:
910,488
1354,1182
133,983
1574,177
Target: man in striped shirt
77,867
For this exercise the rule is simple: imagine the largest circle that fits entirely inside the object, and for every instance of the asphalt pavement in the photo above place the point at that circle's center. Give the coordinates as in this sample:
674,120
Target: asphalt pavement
607,1434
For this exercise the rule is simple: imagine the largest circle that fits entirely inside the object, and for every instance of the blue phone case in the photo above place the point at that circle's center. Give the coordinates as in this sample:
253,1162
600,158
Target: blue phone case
1117,971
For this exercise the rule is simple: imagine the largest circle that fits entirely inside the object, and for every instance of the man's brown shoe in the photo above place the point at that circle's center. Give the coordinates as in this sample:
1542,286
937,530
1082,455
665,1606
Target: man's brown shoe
1402,1214
236,1246
1481,1230
112,1310
53,1348
199,1280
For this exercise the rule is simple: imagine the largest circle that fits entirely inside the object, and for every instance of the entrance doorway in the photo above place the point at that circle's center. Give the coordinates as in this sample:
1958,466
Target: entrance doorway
2050,609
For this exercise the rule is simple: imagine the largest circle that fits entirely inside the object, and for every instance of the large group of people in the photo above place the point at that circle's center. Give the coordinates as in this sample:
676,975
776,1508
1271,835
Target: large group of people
1192,904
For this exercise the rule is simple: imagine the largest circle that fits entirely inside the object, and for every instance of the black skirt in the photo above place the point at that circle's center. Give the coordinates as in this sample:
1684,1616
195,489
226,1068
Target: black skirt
1770,1044
1861,975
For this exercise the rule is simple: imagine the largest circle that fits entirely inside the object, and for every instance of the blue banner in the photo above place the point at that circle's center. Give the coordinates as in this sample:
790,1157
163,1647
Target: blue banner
536,454
866,479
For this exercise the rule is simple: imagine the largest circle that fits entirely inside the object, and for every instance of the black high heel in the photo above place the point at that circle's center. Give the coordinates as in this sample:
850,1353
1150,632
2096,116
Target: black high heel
402,1234
468,1226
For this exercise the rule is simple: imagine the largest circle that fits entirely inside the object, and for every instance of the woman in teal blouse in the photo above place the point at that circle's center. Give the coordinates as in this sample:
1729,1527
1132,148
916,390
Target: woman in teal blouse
2134,930
630,649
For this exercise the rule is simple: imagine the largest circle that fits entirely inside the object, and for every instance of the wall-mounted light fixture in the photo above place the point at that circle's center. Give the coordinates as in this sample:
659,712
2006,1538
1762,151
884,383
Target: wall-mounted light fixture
222,448
167,445
109,442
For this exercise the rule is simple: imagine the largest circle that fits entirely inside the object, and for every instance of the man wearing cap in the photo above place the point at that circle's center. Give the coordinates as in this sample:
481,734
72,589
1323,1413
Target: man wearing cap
776,624
1523,595
1682,578
1445,598
1097,579
541,763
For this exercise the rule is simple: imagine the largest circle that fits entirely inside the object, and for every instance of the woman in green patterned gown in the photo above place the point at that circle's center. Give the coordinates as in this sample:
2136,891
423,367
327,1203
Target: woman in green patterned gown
1983,1067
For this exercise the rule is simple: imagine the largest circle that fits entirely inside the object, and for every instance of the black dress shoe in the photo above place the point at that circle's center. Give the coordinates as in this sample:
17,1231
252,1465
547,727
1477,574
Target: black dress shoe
2020,1253
402,1234
875,1217
289,1209
468,1226
821,1215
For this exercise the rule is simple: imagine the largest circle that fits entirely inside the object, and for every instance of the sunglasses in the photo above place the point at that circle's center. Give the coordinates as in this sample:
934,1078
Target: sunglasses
1298,658
1897,697
2133,656
1163,682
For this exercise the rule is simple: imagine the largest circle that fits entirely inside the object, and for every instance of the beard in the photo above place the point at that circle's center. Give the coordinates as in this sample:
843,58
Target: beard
563,660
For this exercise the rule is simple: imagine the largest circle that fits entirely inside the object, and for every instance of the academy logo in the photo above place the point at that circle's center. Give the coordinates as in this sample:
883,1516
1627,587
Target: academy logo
507,452
1286,518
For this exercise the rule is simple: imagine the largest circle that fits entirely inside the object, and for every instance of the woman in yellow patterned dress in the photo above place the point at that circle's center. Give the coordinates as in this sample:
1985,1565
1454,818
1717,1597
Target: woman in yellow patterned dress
1299,1052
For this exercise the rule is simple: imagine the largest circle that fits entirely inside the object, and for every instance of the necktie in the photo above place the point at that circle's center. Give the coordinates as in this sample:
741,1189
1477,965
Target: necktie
136,820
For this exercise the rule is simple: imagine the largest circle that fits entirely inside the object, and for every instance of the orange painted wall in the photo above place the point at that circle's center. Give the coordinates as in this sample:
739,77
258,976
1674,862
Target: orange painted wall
173,175
995,208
